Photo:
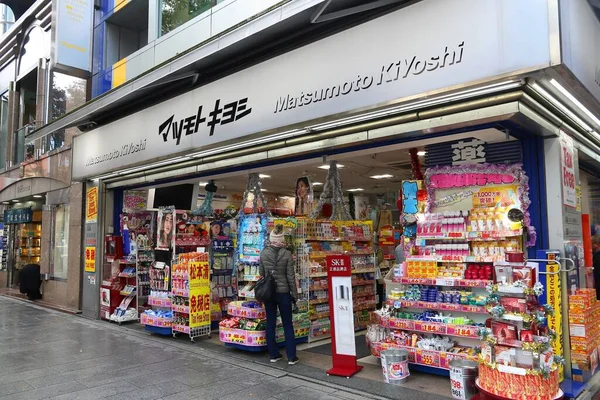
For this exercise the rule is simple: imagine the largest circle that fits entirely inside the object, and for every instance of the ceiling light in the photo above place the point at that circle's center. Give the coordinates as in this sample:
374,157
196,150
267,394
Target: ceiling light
38,196
15,201
202,183
382,176
421,153
317,183
5,202
326,166
356,190
264,176
569,96
541,91
263,190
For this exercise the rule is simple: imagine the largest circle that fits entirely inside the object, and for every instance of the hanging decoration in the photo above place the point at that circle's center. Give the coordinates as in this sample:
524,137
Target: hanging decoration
334,196
206,208
253,201
415,164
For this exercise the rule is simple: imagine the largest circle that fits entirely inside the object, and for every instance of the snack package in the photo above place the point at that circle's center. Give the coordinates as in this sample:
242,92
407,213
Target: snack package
505,355
524,358
505,333
514,304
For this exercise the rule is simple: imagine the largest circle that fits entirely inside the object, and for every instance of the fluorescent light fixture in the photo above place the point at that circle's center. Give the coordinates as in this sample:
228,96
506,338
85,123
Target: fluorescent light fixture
317,183
5,202
495,87
264,176
202,183
263,190
569,96
326,166
382,176
15,201
544,93
282,135
38,196
421,153
356,190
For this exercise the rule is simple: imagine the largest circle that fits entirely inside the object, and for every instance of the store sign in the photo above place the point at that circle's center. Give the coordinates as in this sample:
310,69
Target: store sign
91,205
23,188
471,46
473,151
468,152
580,35
72,33
199,281
18,216
90,259
567,171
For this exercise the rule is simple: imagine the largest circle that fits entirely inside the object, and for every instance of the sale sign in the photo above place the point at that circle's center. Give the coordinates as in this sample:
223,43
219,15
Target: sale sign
496,197
567,171
199,282
90,259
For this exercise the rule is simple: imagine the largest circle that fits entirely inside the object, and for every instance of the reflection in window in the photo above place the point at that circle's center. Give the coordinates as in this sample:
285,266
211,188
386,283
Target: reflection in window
34,48
68,93
60,250
175,13
3,129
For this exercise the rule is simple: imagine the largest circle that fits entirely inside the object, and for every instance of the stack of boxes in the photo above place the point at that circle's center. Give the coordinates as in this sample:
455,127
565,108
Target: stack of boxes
584,329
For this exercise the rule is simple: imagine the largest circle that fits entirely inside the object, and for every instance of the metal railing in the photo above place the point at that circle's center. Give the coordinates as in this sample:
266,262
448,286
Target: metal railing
23,152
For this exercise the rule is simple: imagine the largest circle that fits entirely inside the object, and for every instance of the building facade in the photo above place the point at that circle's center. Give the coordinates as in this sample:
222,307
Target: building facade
222,87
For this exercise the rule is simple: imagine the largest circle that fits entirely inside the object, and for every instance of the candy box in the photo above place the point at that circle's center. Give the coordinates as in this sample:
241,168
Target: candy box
524,358
487,352
505,355
505,333
525,274
514,304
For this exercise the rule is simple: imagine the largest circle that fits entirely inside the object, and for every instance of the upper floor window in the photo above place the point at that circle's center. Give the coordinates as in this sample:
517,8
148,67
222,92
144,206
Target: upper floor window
175,13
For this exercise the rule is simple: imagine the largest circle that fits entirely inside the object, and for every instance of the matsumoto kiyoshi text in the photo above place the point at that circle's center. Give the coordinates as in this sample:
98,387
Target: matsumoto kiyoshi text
390,72
127,149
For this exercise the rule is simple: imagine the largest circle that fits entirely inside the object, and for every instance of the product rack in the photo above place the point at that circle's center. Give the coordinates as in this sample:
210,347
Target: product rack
144,259
159,274
191,295
252,232
322,238
223,278
127,289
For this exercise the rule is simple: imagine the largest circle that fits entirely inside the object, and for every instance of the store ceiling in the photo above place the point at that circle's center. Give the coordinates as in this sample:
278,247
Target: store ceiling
359,166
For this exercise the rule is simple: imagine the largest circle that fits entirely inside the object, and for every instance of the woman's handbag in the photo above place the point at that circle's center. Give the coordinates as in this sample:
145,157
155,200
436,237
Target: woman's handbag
264,290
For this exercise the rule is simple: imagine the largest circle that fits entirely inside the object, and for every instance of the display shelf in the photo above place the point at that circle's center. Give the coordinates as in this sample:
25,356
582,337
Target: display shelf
181,328
465,331
153,301
428,358
180,292
321,315
318,301
437,306
250,278
466,283
341,239
359,271
127,292
323,254
237,310
156,321
180,309
132,275
456,259
471,236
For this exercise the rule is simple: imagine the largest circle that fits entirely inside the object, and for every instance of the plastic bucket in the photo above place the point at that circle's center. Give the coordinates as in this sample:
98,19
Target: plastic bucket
394,364
463,377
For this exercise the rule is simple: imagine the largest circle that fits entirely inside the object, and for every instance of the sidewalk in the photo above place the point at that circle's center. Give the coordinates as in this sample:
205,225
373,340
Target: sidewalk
49,354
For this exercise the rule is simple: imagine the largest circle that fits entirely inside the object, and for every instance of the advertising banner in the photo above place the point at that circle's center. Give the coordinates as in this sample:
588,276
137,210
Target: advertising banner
199,281
72,34
90,259
91,205
567,171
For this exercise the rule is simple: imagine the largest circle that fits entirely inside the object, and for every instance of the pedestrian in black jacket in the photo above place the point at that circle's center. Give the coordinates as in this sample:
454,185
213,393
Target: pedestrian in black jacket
277,259
596,250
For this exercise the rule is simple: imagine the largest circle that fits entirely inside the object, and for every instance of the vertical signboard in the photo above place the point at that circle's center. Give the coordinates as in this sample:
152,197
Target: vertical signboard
567,171
72,34
90,259
199,282
343,348
550,278
91,205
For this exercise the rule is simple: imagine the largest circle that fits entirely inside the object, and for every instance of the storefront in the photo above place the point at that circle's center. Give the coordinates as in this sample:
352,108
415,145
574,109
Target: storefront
387,115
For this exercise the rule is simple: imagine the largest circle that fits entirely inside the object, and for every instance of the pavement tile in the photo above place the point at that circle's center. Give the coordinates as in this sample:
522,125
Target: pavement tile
47,392
14,387
122,389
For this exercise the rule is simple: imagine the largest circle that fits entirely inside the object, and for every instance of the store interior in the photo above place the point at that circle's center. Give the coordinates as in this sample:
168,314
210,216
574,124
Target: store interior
197,276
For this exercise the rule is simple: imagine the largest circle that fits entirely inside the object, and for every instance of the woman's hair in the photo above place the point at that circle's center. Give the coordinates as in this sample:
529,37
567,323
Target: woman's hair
163,237
303,179
278,229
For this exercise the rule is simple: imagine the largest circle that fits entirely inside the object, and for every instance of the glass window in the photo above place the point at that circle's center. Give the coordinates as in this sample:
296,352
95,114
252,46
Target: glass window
175,13
3,129
67,93
60,250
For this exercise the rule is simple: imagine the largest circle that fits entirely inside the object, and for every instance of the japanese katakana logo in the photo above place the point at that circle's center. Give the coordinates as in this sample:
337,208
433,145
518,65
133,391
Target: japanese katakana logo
227,114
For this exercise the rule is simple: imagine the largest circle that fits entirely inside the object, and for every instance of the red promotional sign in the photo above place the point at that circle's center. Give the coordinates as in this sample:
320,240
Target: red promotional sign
343,350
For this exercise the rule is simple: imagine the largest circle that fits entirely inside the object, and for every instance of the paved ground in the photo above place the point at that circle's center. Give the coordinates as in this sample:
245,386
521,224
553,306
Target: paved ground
47,354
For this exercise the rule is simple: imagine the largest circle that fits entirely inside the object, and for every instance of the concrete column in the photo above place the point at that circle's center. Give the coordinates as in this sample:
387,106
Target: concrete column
13,122
47,248
41,94
76,223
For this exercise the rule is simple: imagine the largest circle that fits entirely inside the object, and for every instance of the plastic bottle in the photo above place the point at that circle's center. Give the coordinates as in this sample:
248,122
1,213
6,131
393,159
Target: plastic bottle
126,240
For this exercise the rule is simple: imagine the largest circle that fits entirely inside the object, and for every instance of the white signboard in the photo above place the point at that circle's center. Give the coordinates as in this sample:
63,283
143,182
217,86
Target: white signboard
567,171
343,314
427,46
73,28
580,38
